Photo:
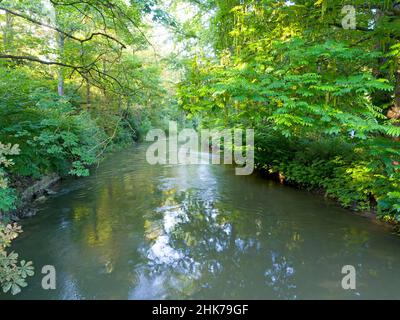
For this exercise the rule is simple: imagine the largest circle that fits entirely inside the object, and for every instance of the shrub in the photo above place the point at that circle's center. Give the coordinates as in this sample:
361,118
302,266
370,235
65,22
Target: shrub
360,174
13,273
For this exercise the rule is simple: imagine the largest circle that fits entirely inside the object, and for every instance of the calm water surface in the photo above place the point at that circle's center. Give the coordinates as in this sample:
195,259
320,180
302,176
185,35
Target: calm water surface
135,231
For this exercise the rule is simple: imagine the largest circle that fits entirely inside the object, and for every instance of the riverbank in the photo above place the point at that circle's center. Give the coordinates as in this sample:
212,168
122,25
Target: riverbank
370,214
30,192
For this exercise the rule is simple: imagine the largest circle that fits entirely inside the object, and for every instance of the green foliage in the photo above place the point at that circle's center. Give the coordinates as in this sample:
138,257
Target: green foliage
8,198
7,195
13,273
50,134
285,92
316,94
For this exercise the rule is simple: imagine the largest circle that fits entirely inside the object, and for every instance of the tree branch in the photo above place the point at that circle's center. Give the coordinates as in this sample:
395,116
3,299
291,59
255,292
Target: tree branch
62,31
34,59
82,70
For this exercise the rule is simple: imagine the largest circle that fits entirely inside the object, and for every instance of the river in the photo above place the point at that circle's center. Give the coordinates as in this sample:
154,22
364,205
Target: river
135,231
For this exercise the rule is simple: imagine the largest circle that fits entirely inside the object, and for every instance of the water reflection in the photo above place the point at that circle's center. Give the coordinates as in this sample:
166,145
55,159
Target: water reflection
142,232
198,240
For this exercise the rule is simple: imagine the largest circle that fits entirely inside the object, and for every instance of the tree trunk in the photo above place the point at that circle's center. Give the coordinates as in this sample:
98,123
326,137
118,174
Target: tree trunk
88,97
381,97
8,33
104,71
394,112
61,40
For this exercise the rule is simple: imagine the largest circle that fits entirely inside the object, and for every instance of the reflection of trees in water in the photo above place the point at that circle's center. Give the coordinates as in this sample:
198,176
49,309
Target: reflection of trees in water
206,246
99,215
201,245
279,277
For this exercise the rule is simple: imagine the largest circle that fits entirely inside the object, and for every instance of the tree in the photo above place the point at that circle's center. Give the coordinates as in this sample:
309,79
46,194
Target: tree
292,69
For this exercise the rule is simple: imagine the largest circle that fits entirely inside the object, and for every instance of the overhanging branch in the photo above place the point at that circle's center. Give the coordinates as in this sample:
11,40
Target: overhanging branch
35,59
66,34
84,71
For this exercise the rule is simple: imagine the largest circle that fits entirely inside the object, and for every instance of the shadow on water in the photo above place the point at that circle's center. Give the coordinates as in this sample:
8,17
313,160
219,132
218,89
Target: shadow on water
135,231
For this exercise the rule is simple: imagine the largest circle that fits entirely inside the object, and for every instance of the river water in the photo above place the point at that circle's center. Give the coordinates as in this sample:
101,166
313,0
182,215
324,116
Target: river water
135,231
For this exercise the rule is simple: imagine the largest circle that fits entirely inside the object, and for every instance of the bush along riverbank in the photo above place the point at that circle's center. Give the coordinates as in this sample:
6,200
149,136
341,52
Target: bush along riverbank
54,140
350,172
